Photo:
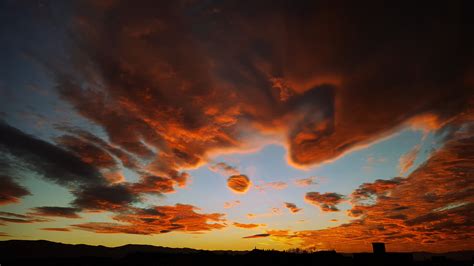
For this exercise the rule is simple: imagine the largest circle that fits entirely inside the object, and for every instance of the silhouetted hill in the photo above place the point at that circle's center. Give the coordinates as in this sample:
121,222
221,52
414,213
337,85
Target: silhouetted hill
41,252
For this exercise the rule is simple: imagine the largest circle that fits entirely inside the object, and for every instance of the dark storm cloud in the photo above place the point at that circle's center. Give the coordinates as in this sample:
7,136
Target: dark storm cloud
66,212
10,191
114,197
49,161
78,169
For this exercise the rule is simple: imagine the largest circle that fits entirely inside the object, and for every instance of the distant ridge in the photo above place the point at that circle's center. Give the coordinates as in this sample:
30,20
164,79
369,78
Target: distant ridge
31,249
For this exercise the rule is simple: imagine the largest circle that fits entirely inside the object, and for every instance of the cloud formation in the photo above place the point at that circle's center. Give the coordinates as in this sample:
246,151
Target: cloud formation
326,201
224,169
407,160
257,236
56,229
247,226
292,207
431,209
239,183
9,217
299,96
157,220
305,182
65,212
10,191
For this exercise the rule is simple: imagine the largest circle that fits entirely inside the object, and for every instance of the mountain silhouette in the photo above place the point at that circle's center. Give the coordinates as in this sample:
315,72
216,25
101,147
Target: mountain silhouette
41,252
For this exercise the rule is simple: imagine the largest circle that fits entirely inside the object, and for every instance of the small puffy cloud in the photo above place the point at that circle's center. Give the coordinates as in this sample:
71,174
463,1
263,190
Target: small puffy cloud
408,159
304,182
66,212
248,226
231,204
292,207
327,201
238,183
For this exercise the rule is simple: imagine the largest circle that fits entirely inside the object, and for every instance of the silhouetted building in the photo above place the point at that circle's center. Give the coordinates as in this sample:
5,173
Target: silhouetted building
378,247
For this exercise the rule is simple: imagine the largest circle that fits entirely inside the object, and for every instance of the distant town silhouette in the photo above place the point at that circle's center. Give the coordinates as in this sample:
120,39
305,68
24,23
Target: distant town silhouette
40,252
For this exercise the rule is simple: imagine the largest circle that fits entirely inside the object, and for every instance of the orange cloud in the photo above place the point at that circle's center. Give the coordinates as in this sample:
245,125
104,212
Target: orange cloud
239,183
248,226
327,201
292,207
316,99
406,161
158,220
429,210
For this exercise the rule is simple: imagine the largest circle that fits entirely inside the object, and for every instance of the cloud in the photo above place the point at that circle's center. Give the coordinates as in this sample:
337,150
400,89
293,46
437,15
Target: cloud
158,220
368,193
239,183
231,204
115,197
2,234
56,229
66,212
257,236
298,97
305,182
272,212
89,153
278,185
406,160
154,185
10,191
247,226
326,201
292,207
10,217
224,169
46,159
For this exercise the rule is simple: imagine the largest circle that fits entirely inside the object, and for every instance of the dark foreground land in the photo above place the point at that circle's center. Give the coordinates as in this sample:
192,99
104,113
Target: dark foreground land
19,252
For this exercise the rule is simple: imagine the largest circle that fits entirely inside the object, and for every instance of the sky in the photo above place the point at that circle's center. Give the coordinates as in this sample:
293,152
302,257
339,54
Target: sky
229,125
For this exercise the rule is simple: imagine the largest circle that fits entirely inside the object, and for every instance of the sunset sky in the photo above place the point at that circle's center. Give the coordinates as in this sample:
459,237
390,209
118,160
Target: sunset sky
235,124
